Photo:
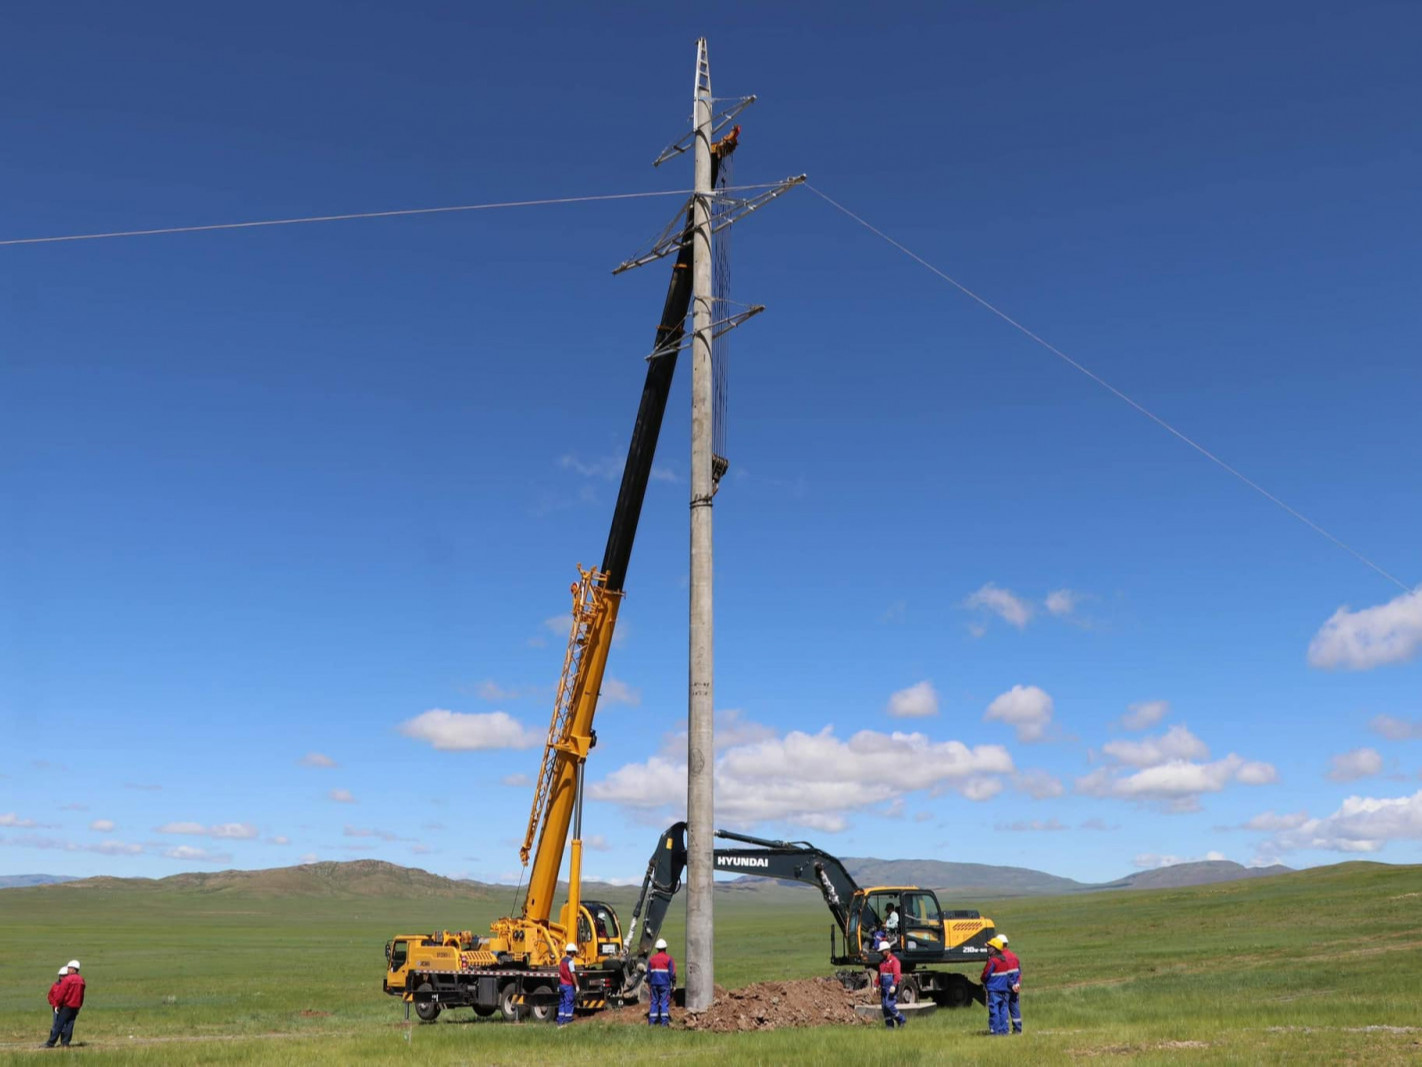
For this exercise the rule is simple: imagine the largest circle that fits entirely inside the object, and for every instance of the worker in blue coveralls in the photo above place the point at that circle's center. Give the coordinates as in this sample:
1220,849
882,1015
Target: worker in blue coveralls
1002,974
1014,997
889,976
661,980
567,984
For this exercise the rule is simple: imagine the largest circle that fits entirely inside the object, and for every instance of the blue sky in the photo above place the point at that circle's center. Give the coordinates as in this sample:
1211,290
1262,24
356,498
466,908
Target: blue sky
272,495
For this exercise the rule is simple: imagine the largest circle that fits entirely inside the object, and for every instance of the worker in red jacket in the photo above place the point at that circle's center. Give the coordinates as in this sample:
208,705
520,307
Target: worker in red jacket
567,984
1002,976
1014,1000
890,974
67,997
661,979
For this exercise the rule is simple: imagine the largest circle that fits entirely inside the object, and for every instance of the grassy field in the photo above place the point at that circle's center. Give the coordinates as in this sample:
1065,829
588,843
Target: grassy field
1321,966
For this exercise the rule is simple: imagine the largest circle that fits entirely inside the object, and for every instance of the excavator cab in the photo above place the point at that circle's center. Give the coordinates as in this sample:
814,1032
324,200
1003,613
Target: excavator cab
919,931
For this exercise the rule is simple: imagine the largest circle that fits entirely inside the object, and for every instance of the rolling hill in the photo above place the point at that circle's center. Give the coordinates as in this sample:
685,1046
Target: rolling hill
369,878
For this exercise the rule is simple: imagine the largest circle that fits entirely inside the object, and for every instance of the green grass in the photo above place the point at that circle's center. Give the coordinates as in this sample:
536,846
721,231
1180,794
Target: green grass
1321,966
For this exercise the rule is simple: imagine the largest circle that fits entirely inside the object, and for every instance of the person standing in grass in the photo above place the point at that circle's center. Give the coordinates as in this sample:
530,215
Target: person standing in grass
1014,1002
567,984
54,997
661,978
1000,974
890,974
67,997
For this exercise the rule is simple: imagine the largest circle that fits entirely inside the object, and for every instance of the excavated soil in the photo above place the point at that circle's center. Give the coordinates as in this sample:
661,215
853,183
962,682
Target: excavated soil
764,1006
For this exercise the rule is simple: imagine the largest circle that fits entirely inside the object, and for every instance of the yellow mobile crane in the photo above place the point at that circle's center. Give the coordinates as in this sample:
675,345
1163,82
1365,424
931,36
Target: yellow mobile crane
513,970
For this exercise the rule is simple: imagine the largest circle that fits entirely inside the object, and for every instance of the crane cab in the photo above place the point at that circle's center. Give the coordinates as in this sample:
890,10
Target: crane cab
599,934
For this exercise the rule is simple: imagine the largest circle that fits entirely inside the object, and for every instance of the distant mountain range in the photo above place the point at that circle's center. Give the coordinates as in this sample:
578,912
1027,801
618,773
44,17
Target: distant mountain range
22,881
979,879
376,878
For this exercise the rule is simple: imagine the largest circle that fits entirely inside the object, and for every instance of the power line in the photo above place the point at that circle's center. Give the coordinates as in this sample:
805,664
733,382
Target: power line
1300,516
359,215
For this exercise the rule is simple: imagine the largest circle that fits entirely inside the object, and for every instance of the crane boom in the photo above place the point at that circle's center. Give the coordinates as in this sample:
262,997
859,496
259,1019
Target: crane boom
596,598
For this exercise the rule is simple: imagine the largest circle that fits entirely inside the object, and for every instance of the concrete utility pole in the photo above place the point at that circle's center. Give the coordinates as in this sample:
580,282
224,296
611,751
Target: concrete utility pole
700,744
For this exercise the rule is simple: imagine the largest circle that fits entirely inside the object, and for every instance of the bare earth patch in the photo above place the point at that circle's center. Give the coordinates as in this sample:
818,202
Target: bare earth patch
762,1006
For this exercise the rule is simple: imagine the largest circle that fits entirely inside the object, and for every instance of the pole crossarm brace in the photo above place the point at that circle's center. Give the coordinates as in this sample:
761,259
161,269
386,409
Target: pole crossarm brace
731,210
719,122
719,327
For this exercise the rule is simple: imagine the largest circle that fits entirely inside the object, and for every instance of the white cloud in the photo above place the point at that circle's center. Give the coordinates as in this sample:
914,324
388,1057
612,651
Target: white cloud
812,780
1176,784
360,831
239,831
199,855
1177,743
1030,826
453,731
606,468
103,826
1038,784
1025,708
597,843
1359,763
103,848
9,818
1144,715
316,759
733,729
1395,729
616,692
1361,824
1271,823
1371,637
1003,603
1062,602
279,839
341,796
916,702
1153,861
308,857
182,828
516,779
1099,824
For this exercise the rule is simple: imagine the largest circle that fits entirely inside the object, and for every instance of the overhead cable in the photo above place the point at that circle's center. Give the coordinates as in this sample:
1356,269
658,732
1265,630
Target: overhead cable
360,215
1315,527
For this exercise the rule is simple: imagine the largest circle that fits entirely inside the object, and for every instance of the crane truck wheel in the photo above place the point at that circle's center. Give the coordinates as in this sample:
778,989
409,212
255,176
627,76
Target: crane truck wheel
544,1008
484,1013
908,990
426,1007
510,1009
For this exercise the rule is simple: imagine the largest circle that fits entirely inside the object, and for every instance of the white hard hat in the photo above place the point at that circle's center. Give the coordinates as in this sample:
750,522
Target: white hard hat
73,963
570,947
661,942
882,946
63,971
1004,940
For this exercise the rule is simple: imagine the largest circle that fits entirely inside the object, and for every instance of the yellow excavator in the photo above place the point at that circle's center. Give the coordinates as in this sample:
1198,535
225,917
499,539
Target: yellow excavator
514,968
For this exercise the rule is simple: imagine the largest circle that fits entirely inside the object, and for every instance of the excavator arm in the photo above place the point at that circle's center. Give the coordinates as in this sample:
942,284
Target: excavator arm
790,861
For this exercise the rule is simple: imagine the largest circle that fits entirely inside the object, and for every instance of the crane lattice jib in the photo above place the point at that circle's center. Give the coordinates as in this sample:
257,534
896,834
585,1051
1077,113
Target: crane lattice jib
585,600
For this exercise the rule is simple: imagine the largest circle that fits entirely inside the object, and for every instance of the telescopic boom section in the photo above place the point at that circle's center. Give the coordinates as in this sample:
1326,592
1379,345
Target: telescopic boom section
596,598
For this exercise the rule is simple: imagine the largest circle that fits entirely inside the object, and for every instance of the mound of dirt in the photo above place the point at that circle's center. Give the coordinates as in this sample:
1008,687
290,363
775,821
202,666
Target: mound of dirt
776,1005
